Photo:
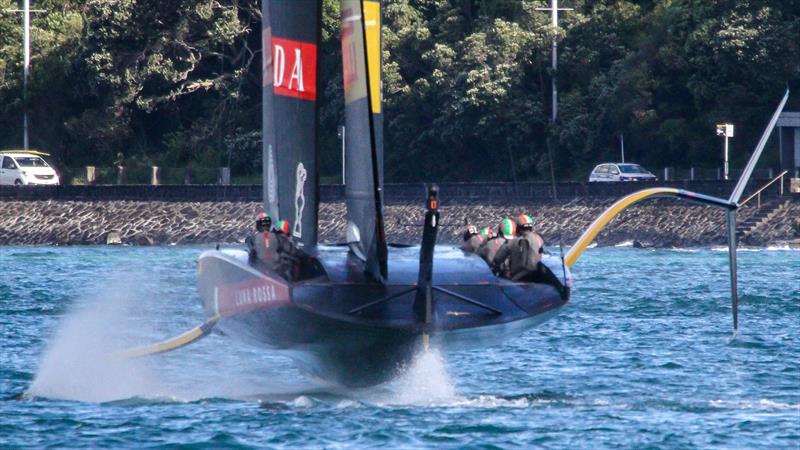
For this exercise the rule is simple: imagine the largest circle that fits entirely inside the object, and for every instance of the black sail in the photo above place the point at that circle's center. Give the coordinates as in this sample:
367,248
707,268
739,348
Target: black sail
290,37
364,160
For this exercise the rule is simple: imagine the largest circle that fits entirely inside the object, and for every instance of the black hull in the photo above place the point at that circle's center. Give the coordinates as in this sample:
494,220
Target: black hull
326,324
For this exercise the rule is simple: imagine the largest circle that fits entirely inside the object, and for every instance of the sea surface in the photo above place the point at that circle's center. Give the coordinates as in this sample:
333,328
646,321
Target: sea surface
642,357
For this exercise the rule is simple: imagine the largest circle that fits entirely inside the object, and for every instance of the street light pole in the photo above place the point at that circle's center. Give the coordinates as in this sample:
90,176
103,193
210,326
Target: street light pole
726,158
554,9
726,130
342,134
26,42
26,68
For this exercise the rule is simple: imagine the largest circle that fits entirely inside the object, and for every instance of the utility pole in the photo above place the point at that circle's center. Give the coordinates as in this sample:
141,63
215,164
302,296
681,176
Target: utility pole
342,131
726,130
554,9
622,146
26,39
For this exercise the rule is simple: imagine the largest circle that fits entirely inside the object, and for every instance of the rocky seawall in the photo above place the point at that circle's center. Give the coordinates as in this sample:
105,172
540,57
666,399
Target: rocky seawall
660,223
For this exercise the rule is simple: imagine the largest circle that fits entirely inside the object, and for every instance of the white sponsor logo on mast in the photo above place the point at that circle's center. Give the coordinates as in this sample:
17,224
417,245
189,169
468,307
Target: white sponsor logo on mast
299,200
279,65
296,77
297,71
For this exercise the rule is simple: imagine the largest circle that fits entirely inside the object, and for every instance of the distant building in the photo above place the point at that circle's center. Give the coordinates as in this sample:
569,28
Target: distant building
789,142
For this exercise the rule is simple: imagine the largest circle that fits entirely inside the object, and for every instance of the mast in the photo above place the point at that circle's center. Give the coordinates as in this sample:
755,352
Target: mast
374,42
364,160
290,118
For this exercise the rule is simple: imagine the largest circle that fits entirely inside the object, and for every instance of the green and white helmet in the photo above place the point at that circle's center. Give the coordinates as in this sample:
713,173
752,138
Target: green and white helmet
507,228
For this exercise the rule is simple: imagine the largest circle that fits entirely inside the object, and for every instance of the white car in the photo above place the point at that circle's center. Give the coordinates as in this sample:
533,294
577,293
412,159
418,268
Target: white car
621,172
22,167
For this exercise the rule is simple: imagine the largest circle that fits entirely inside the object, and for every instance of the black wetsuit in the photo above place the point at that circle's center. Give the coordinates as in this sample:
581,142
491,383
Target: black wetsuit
489,249
472,244
521,257
275,252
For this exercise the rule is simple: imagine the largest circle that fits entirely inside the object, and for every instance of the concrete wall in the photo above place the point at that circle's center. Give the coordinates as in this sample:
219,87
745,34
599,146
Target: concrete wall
393,192
200,193
789,142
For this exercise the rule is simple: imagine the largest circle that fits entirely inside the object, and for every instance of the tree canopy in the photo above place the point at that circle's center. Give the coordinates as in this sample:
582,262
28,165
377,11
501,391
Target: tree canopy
466,83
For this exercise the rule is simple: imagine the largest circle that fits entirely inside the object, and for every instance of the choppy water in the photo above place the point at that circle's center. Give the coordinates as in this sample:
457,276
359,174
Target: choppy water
642,357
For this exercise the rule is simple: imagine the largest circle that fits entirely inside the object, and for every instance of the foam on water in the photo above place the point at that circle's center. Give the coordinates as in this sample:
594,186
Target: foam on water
771,248
762,404
425,382
83,361
785,247
79,362
302,401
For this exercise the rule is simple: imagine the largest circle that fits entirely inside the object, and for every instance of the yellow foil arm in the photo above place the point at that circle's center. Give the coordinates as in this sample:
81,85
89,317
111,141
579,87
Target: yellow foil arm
588,236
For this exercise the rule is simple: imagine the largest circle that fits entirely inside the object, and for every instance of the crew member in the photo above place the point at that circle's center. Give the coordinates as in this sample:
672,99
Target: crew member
488,251
289,256
508,230
522,256
472,239
487,233
525,230
272,249
260,245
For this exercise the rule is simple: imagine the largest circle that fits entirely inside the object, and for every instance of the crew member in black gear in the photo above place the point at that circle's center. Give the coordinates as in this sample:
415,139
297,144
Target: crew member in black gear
289,257
525,230
274,249
472,239
261,246
506,231
522,256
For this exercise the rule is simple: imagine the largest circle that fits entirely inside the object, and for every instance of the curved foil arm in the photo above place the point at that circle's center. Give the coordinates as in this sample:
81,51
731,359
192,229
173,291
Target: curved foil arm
177,342
588,236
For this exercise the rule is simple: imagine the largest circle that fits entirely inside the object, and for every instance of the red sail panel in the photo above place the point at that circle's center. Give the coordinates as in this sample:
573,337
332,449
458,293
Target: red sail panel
294,69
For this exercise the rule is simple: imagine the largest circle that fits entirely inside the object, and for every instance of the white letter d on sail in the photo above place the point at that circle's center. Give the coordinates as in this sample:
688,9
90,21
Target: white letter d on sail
279,63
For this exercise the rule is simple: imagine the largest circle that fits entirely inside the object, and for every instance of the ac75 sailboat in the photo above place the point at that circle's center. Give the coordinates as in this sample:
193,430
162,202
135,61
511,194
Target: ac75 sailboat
356,313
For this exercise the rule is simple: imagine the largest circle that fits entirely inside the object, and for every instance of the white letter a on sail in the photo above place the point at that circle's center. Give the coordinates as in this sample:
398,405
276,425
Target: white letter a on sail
297,71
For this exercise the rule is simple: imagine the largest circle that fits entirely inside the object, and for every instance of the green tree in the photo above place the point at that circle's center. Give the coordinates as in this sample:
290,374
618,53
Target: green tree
466,83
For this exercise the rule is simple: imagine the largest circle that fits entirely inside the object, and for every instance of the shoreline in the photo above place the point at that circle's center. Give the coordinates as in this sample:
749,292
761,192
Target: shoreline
660,223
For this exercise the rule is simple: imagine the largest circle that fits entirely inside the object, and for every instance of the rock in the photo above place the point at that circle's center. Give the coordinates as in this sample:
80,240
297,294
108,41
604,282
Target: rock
189,212
649,224
143,239
113,238
794,185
